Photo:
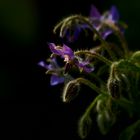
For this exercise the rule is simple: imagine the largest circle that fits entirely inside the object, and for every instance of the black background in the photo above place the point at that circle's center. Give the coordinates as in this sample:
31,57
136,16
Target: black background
30,108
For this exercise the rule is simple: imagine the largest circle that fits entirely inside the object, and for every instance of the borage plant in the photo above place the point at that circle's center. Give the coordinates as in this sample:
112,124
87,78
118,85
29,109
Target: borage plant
107,67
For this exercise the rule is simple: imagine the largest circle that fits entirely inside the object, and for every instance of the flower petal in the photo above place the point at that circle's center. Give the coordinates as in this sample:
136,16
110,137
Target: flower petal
43,64
54,49
115,14
88,69
85,66
94,13
56,80
48,67
106,33
68,51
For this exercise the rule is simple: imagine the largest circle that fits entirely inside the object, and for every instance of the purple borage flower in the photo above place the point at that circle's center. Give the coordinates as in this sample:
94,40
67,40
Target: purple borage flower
68,55
74,33
55,70
64,51
108,17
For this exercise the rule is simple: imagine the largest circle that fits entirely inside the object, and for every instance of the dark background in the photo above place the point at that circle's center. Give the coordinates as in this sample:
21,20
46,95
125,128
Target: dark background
30,108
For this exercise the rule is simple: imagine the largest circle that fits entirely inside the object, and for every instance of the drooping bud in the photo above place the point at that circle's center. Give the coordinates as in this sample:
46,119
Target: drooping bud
100,105
85,124
105,120
75,30
114,82
70,91
114,88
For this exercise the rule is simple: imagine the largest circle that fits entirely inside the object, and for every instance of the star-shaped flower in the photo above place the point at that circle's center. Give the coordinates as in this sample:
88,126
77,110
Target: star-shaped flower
68,55
108,17
64,51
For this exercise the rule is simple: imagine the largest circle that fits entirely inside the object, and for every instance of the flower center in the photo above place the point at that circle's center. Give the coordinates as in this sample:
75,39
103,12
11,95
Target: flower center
66,58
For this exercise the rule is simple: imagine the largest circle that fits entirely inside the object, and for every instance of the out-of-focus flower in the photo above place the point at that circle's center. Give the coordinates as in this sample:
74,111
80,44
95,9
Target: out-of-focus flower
55,70
108,17
77,33
72,34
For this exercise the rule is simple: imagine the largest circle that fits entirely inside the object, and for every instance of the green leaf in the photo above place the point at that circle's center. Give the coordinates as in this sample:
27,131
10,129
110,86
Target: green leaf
130,131
128,66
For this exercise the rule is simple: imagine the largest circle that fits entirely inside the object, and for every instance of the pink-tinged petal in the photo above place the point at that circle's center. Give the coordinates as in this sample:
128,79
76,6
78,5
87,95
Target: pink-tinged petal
54,49
68,51
94,13
56,80
85,66
115,14
88,69
106,33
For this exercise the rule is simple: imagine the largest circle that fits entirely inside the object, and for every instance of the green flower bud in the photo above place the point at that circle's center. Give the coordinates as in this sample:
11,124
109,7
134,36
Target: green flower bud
114,88
85,125
105,120
114,81
70,91
100,105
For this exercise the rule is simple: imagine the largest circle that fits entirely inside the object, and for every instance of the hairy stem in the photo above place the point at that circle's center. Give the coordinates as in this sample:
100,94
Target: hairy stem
90,84
95,55
120,36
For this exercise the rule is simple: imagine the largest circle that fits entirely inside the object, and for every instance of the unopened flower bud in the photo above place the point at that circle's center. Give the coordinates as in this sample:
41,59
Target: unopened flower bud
114,87
100,105
105,121
114,82
70,91
85,125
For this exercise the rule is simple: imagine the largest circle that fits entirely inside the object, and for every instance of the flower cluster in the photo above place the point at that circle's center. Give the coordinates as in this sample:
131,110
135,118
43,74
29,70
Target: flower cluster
102,22
108,68
71,60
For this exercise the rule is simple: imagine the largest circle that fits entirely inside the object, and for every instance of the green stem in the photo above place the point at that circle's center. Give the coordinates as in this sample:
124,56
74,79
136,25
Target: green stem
126,104
94,54
93,75
105,44
88,110
58,26
120,36
64,23
101,70
90,84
